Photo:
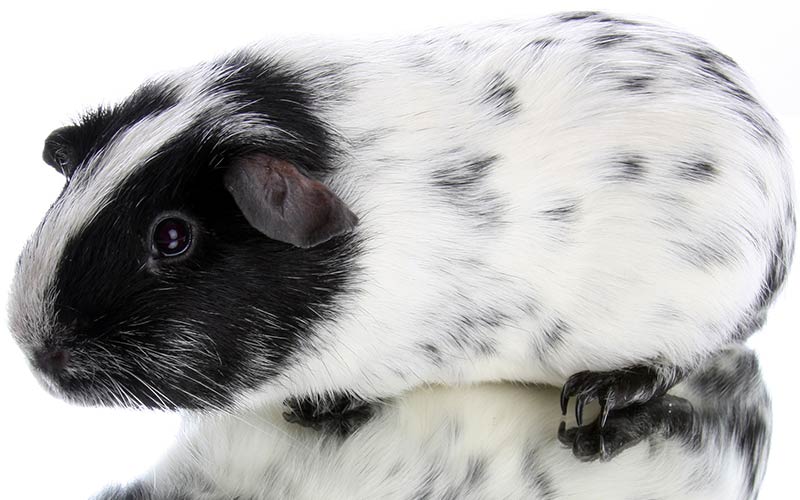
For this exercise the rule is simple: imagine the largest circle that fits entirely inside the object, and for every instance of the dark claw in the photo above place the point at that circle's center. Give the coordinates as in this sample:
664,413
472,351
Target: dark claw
579,402
564,399
660,419
606,403
617,389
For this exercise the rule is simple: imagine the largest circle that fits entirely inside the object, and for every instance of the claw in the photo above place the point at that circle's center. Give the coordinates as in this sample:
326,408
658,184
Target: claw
564,399
580,401
606,403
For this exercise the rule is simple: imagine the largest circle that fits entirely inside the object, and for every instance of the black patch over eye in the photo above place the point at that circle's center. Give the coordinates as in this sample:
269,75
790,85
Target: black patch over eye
172,237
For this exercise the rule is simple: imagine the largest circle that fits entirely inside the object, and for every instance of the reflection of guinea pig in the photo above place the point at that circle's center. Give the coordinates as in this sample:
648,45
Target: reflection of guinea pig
517,201
438,443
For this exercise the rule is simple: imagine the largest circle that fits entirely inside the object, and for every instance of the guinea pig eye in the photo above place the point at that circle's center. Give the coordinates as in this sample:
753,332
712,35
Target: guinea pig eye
172,237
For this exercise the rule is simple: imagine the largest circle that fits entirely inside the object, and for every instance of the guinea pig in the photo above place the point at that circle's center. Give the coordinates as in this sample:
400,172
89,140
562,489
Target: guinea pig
708,439
584,200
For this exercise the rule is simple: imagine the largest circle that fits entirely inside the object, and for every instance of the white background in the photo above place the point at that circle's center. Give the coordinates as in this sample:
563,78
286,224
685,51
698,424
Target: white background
58,60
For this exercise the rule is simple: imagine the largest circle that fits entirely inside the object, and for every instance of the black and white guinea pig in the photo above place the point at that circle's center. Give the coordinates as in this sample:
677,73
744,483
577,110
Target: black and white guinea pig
582,198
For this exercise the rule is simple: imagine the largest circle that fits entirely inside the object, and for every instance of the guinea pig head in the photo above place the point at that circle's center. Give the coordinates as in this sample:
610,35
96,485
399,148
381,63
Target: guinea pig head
193,248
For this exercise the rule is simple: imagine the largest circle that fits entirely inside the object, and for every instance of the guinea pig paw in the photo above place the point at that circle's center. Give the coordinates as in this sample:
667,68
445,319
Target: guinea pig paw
616,389
663,418
340,415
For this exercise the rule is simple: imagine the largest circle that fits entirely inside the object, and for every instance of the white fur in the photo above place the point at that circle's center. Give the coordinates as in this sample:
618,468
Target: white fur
618,278
438,434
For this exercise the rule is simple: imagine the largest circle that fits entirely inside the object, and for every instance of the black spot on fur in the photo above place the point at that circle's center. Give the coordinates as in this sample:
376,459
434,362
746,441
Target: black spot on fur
433,353
138,490
606,40
476,475
425,490
553,336
333,415
697,170
717,68
776,272
751,432
476,471
594,16
629,168
563,213
708,56
471,333
502,94
704,254
578,16
736,409
541,43
536,474
637,84
462,182
760,127
464,177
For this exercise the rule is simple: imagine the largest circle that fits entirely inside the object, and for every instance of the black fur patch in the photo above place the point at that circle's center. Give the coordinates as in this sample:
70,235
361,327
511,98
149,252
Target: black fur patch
751,432
283,97
696,169
761,125
777,270
563,213
705,253
736,409
465,177
639,84
578,16
536,474
471,333
476,475
502,94
595,16
476,471
433,353
463,184
629,168
425,490
542,43
187,332
553,336
715,67
611,39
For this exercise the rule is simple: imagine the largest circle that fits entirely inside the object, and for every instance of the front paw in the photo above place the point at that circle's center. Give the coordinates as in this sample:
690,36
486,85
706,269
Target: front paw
616,389
662,418
340,415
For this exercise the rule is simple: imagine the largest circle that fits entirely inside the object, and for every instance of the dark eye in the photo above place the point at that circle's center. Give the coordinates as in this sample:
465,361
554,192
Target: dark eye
172,237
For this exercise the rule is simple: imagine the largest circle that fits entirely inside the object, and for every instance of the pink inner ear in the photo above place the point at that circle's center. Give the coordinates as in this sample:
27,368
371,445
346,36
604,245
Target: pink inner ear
281,202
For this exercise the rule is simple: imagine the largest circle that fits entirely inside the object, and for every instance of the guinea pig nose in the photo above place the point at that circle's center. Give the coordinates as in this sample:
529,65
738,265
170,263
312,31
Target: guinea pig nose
52,362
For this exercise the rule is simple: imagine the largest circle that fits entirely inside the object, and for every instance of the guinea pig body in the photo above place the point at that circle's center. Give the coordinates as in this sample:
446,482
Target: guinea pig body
437,443
515,202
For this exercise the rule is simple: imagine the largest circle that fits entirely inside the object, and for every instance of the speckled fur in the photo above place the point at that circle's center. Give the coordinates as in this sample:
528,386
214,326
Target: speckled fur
582,192
438,443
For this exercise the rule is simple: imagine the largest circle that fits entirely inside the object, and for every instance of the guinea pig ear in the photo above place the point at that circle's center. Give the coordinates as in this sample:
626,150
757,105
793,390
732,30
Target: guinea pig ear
59,153
281,202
